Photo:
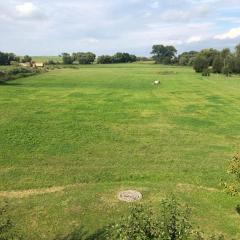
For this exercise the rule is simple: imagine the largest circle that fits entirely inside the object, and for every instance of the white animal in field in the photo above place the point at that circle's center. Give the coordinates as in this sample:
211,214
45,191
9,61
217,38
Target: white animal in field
156,83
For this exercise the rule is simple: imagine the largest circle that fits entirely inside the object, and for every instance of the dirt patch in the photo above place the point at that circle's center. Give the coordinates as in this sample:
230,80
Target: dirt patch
192,187
30,192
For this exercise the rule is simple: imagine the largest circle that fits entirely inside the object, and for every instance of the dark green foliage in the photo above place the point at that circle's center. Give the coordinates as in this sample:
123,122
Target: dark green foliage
209,54
237,49
104,59
83,57
238,209
7,58
124,58
2,74
51,62
26,59
225,53
227,71
218,64
19,72
200,63
66,58
187,58
206,72
221,62
164,54
143,59
117,58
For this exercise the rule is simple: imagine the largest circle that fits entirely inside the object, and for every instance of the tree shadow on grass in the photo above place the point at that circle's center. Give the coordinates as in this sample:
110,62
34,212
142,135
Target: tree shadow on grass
7,84
82,234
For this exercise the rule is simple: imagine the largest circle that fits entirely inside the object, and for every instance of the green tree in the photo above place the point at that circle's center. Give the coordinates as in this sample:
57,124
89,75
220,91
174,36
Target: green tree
210,54
200,63
104,59
66,58
225,53
163,54
218,64
7,58
124,58
187,58
26,59
237,50
84,57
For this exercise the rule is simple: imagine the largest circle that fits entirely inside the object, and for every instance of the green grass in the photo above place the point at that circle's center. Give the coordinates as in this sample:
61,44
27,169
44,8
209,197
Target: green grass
102,128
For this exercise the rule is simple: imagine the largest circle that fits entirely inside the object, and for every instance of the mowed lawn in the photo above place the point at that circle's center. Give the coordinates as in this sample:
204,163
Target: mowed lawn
70,139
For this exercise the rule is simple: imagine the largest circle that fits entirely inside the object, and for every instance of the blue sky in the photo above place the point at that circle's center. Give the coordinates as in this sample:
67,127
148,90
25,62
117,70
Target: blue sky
50,27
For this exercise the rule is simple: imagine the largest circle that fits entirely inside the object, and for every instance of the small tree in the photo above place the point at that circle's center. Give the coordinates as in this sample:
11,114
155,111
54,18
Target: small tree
104,59
206,72
218,64
163,54
84,57
26,59
200,63
66,58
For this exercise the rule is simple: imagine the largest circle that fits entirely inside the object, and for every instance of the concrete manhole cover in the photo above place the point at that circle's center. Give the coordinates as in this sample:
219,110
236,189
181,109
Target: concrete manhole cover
129,196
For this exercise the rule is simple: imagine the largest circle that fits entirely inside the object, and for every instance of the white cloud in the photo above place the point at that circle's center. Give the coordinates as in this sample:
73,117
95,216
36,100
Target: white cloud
231,34
28,10
194,39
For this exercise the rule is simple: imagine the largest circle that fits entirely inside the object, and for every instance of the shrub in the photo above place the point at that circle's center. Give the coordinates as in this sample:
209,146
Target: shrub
206,72
104,59
233,187
226,71
200,63
217,64
172,223
26,59
7,228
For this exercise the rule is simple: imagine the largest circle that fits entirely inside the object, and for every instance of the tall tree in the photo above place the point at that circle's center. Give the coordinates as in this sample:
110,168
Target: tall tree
66,58
200,63
163,54
218,64
26,59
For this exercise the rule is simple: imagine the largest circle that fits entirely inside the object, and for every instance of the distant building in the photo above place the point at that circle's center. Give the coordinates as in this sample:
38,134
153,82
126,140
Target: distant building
39,65
27,64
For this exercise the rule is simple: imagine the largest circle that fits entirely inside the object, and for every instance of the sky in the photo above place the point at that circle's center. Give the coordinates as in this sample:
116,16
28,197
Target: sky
50,27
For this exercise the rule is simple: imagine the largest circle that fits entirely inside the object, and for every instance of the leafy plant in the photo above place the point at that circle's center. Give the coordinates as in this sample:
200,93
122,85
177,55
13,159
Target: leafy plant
172,223
7,228
233,187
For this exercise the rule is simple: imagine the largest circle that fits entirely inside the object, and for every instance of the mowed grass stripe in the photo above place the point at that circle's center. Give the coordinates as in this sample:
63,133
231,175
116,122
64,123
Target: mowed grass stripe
111,129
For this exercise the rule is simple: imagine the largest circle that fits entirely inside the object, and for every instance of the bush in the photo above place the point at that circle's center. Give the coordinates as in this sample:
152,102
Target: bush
206,72
226,71
26,59
200,64
104,59
172,223
7,228
217,64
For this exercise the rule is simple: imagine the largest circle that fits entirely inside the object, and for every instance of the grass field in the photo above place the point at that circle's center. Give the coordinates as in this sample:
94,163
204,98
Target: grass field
70,139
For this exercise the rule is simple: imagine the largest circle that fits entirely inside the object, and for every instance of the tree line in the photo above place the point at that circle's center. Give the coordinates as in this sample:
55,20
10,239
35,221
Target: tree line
206,61
89,58
10,58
